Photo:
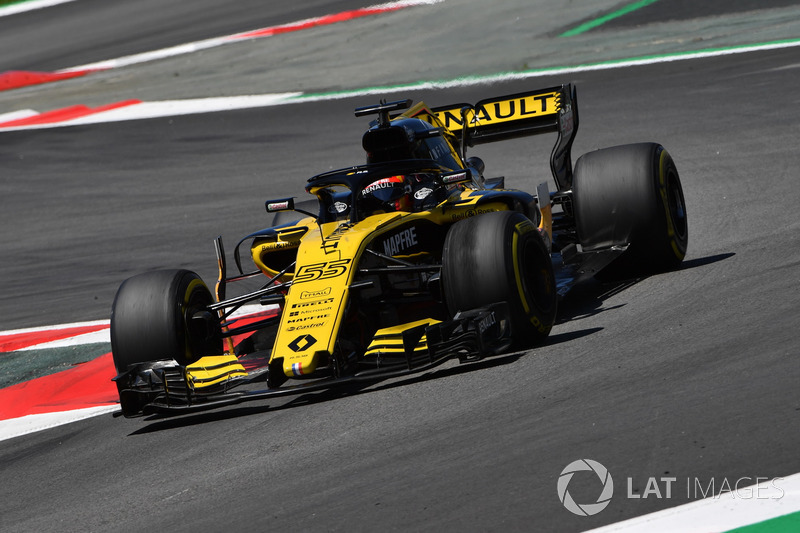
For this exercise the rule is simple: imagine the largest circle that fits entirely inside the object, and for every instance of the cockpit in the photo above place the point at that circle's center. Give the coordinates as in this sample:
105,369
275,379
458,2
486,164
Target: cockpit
408,138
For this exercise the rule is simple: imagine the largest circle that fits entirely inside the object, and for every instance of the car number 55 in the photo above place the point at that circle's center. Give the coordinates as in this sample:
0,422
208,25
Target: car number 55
326,270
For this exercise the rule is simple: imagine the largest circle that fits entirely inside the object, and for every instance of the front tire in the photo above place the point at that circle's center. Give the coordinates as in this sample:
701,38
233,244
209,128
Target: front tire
151,319
632,194
498,257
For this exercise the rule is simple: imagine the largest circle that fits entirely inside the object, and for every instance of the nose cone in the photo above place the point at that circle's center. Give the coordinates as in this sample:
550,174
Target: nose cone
301,365
301,358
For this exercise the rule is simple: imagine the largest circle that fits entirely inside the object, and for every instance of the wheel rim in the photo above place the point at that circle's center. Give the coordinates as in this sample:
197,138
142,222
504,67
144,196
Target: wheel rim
196,298
537,282
676,206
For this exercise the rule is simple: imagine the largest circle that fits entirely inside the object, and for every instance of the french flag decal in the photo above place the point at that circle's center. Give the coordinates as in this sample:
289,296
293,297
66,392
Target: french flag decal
297,369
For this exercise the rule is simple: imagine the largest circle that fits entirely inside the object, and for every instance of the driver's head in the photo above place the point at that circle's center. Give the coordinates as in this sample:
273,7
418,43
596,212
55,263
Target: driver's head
387,195
392,143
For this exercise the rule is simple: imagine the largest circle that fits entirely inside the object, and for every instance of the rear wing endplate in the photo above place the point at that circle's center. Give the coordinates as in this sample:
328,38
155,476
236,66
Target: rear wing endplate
517,115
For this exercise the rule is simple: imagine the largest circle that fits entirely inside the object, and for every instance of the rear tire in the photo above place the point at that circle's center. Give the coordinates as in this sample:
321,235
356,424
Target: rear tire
498,257
632,194
151,319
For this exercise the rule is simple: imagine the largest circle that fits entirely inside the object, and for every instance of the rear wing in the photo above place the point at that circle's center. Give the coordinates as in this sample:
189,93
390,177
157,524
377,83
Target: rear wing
517,115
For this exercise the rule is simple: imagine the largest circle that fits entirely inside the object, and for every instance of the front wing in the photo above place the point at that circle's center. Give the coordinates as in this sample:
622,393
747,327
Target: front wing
164,387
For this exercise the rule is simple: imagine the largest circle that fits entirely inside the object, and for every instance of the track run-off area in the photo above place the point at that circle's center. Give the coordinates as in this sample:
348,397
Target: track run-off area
683,385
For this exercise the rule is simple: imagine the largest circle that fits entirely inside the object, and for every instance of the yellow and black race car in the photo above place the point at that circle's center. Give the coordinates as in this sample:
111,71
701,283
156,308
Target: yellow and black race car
402,263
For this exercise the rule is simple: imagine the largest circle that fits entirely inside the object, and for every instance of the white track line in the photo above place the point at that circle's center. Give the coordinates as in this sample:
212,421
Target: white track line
16,115
778,497
205,44
243,311
95,337
171,108
56,327
17,427
146,110
22,7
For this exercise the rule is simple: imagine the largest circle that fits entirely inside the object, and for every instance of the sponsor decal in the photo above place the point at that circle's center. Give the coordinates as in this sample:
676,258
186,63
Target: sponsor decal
278,206
469,213
455,178
311,311
338,207
307,318
340,229
305,295
331,243
486,322
400,241
280,245
305,326
538,323
384,183
302,343
423,193
312,304
489,113
526,226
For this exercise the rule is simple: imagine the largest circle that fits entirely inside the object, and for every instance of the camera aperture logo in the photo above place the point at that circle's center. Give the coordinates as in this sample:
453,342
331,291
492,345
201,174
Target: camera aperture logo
585,509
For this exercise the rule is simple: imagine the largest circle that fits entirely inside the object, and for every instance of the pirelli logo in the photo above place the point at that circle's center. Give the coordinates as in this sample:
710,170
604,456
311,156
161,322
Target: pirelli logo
490,112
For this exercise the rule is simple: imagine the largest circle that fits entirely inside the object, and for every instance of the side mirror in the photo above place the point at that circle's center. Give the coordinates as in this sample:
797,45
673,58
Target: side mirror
286,204
453,178
276,206
476,163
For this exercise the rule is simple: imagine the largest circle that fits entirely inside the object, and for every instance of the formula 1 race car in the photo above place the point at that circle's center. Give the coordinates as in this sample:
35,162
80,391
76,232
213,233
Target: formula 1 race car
402,263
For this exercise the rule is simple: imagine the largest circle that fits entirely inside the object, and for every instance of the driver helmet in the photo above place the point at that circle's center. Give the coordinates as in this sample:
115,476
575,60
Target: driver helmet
387,195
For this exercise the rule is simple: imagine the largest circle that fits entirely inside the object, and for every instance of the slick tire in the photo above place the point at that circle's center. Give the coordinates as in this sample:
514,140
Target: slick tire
632,194
151,319
498,257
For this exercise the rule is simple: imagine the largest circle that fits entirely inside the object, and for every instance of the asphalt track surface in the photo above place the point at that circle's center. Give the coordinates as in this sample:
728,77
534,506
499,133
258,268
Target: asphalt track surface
95,30
691,374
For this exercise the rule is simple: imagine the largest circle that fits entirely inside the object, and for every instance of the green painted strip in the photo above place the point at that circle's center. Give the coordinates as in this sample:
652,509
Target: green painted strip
586,26
31,364
789,523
